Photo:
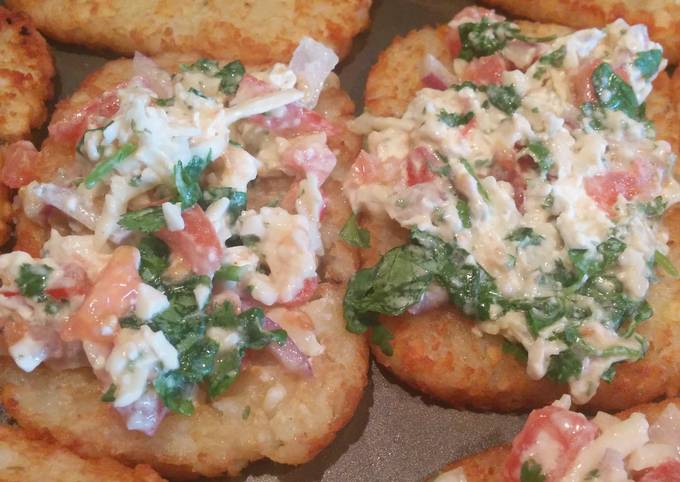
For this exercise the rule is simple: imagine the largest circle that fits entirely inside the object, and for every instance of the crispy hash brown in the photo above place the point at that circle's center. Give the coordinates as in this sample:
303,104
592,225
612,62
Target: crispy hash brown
488,465
436,351
27,460
260,31
662,17
269,411
26,72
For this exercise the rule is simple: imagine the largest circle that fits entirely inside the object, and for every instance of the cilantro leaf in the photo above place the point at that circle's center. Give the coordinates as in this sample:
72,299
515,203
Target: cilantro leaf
110,394
175,392
472,172
648,62
504,97
479,39
237,199
654,208
541,155
187,179
107,165
355,235
453,119
554,58
230,77
516,350
32,280
463,209
614,93
206,66
154,260
525,236
531,471
147,220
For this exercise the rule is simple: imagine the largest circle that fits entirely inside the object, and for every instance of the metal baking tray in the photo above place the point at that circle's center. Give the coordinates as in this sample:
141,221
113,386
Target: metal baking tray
396,434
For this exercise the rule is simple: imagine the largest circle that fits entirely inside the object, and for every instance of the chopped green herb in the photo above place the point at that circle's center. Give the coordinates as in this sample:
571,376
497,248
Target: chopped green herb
32,280
525,236
195,91
548,202
595,473
648,62
453,119
465,84
230,273
81,142
471,171
479,39
237,199
164,102
614,93
110,394
463,209
135,181
154,260
187,179
516,350
531,471
554,58
355,235
230,77
504,97
107,165
201,65
246,413
663,262
148,220
654,208
541,155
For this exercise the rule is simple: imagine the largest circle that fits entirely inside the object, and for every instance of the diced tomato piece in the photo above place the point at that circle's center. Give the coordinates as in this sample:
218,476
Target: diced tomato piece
19,164
113,294
666,472
582,82
251,87
306,293
74,282
434,82
295,120
72,128
419,165
509,169
453,41
309,155
197,243
369,169
605,188
569,431
486,70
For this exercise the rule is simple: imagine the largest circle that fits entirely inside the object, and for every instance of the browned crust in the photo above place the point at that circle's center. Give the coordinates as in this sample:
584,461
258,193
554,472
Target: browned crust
65,406
261,31
437,353
36,460
488,466
661,17
212,441
26,71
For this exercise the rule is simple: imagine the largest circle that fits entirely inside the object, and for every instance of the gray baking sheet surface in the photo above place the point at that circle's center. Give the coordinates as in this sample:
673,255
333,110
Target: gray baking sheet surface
396,434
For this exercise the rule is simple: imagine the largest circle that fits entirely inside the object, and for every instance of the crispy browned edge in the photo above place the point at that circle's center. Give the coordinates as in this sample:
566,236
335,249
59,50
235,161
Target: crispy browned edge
488,466
42,460
437,353
338,263
28,69
663,23
255,32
